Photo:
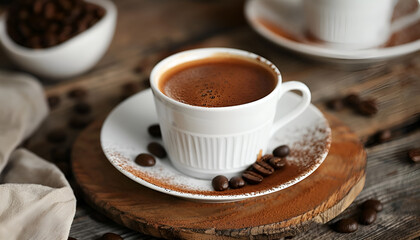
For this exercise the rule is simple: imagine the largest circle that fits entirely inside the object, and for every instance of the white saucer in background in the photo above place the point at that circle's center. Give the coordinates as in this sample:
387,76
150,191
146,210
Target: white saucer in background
287,30
124,135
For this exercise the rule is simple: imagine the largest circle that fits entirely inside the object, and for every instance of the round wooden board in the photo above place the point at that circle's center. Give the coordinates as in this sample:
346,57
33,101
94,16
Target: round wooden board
317,199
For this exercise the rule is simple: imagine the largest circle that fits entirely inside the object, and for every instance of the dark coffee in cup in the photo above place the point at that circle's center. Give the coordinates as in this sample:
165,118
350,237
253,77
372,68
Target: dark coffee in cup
218,81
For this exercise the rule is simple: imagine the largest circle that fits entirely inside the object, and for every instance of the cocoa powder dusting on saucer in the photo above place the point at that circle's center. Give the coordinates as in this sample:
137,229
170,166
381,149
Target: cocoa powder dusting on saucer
304,157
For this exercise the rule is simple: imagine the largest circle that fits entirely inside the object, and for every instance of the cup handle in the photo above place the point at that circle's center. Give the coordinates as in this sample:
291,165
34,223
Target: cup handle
306,99
405,21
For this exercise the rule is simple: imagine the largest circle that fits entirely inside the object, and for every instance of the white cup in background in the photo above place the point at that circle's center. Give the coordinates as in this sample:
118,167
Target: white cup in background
353,24
207,141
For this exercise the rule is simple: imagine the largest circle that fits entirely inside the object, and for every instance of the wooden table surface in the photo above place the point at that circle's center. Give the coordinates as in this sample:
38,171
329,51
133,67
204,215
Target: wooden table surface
149,30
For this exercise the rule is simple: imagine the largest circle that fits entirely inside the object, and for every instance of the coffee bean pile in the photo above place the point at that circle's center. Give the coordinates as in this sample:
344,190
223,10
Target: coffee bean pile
366,107
256,173
369,208
43,24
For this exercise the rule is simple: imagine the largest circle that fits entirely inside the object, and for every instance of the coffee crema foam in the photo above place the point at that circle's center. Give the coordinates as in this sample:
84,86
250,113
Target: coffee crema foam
219,81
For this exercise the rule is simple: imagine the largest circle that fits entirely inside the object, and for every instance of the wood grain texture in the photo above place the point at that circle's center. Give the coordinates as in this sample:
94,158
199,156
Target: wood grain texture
331,188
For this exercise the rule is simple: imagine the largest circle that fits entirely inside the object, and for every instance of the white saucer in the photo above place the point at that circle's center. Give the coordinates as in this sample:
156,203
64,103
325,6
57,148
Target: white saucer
281,21
124,135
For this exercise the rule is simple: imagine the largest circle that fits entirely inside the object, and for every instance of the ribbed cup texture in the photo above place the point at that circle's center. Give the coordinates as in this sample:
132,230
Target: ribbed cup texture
215,153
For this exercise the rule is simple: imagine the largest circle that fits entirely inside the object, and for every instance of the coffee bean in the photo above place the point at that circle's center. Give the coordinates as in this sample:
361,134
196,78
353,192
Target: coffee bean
156,149
57,136
53,101
368,216
414,155
352,100
79,122
111,236
236,182
77,93
220,183
65,4
266,157
252,177
145,160
373,204
100,12
367,107
82,108
49,40
24,30
60,154
384,136
37,6
281,151
346,226
335,104
138,69
154,131
277,162
263,168
49,10
34,42
23,14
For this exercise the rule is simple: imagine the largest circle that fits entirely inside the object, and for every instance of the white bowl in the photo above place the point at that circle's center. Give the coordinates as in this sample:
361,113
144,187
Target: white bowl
70,58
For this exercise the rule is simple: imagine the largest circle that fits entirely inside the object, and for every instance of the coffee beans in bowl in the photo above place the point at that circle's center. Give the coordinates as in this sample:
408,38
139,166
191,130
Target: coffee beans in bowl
43,24
57,39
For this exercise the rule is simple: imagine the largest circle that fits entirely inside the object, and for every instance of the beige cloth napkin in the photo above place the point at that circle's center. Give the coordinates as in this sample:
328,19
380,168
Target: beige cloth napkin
36,201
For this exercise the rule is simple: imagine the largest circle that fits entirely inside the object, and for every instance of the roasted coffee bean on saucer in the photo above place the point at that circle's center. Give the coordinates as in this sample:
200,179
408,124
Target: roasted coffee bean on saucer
414,155
372,203
252,177
281,151
347,225
368,216
220,183
263,168
145,160
156,149
236,182
154,131
266,157
277,162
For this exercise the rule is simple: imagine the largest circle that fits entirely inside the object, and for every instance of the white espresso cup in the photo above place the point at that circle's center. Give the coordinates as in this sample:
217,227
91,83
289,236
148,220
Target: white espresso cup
207,141
353,24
